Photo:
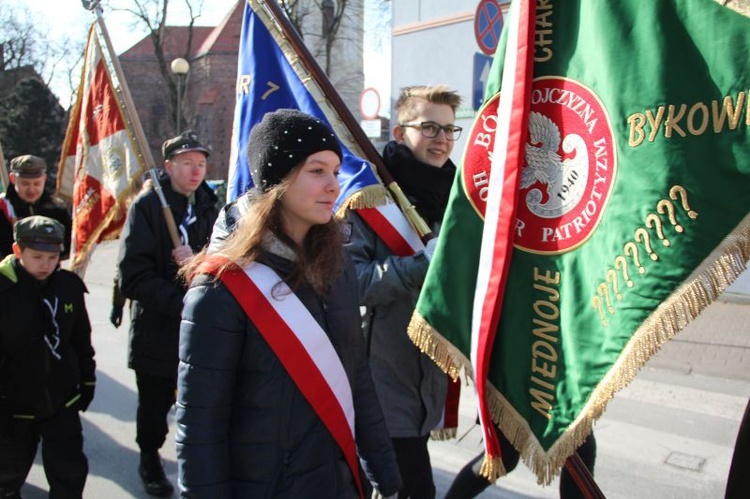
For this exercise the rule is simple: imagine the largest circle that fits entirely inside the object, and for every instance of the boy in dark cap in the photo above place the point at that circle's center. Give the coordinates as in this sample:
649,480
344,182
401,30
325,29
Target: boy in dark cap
47,367
27,196
148,266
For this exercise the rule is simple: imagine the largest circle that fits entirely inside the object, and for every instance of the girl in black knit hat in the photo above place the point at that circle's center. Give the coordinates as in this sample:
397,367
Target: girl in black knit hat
273,370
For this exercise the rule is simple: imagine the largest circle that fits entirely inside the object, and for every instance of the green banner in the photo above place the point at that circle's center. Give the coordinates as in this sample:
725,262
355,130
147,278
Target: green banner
631,212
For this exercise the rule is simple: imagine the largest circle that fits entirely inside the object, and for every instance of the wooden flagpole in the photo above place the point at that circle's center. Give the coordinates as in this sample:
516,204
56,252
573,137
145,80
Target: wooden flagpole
3,171
165,210
583,477
141,143
578,470
144,152
319,77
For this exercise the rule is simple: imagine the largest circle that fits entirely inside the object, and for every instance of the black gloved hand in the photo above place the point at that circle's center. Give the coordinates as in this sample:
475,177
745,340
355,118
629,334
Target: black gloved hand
6,419
118,303
115,316
87,394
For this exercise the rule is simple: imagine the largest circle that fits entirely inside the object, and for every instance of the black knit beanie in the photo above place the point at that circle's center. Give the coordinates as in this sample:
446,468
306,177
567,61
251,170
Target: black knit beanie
283,139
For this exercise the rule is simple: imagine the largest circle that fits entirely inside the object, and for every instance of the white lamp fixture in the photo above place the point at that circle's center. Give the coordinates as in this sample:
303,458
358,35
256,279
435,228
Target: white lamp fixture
180,67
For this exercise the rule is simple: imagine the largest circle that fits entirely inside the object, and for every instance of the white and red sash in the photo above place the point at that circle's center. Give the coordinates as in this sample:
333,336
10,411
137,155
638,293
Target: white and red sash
301,345
392,227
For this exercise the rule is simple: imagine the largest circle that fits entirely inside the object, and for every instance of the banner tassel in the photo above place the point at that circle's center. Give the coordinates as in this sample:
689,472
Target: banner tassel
492,468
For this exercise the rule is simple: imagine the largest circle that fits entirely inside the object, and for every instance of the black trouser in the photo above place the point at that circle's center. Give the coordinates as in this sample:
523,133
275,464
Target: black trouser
414,465
469,483
156,396
65,464
738,483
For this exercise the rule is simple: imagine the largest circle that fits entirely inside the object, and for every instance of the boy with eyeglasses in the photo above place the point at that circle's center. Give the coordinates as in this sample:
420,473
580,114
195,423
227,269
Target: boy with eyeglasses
47,367
411,387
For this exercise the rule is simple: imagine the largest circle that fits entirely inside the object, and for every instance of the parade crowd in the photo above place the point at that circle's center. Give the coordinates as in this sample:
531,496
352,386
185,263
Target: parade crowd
276,329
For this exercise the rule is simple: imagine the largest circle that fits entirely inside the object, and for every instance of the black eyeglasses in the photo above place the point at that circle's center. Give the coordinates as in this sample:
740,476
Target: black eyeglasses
431,129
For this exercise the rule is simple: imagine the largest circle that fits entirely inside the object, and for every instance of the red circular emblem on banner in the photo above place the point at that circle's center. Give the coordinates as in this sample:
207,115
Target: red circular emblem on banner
570,167
569,171
477,160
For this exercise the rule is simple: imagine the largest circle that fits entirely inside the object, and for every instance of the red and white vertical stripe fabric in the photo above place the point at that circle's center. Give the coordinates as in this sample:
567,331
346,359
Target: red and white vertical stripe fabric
497,236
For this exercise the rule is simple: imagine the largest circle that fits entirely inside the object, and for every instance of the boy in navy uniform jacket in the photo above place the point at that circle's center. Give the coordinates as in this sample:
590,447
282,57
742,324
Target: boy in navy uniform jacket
47,367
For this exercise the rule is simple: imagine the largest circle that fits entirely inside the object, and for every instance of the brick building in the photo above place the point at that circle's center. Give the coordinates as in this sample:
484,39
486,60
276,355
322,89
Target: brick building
208,103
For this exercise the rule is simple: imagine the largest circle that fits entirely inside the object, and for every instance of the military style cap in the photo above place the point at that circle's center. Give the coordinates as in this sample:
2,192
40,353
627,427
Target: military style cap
185,142
28,166
39,233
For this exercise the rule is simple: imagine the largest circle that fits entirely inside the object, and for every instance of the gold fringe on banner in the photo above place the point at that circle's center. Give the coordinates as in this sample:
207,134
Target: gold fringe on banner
445,355
701,288
739,6
443,434
451,360
448,358
367,197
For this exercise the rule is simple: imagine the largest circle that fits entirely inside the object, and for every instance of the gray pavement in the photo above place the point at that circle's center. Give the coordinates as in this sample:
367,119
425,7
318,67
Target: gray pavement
717,343
669,434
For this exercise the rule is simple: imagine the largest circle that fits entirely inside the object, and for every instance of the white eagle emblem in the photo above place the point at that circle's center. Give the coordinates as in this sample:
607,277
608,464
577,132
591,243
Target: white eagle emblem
565,179
114,166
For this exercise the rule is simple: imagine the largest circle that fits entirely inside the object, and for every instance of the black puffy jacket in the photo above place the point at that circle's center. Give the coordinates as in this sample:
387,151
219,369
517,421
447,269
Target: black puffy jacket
244,428
148,274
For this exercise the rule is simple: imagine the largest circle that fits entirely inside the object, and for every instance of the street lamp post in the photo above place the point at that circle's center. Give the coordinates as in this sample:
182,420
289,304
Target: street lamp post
180,67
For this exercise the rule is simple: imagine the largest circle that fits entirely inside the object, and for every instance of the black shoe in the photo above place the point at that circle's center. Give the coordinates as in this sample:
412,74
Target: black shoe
152,474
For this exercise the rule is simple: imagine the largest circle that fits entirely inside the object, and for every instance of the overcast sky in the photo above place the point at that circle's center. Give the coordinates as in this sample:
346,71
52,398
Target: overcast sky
61,17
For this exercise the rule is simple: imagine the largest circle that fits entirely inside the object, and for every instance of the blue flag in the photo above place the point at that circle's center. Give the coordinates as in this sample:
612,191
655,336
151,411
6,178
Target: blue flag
266,81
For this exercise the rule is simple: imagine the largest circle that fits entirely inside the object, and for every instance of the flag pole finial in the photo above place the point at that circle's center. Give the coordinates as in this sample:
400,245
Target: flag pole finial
91,5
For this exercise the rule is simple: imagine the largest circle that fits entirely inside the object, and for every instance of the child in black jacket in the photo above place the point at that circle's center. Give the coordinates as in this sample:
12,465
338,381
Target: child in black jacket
47,367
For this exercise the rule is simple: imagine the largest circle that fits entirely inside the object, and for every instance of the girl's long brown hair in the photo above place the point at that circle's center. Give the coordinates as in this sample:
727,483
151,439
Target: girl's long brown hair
319,261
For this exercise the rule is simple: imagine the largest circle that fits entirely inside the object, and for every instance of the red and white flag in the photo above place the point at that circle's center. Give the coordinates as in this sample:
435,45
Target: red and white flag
101,159
497,237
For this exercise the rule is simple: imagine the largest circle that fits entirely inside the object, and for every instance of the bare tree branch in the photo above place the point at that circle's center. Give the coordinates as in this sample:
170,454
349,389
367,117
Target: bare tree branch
23,44
152,15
